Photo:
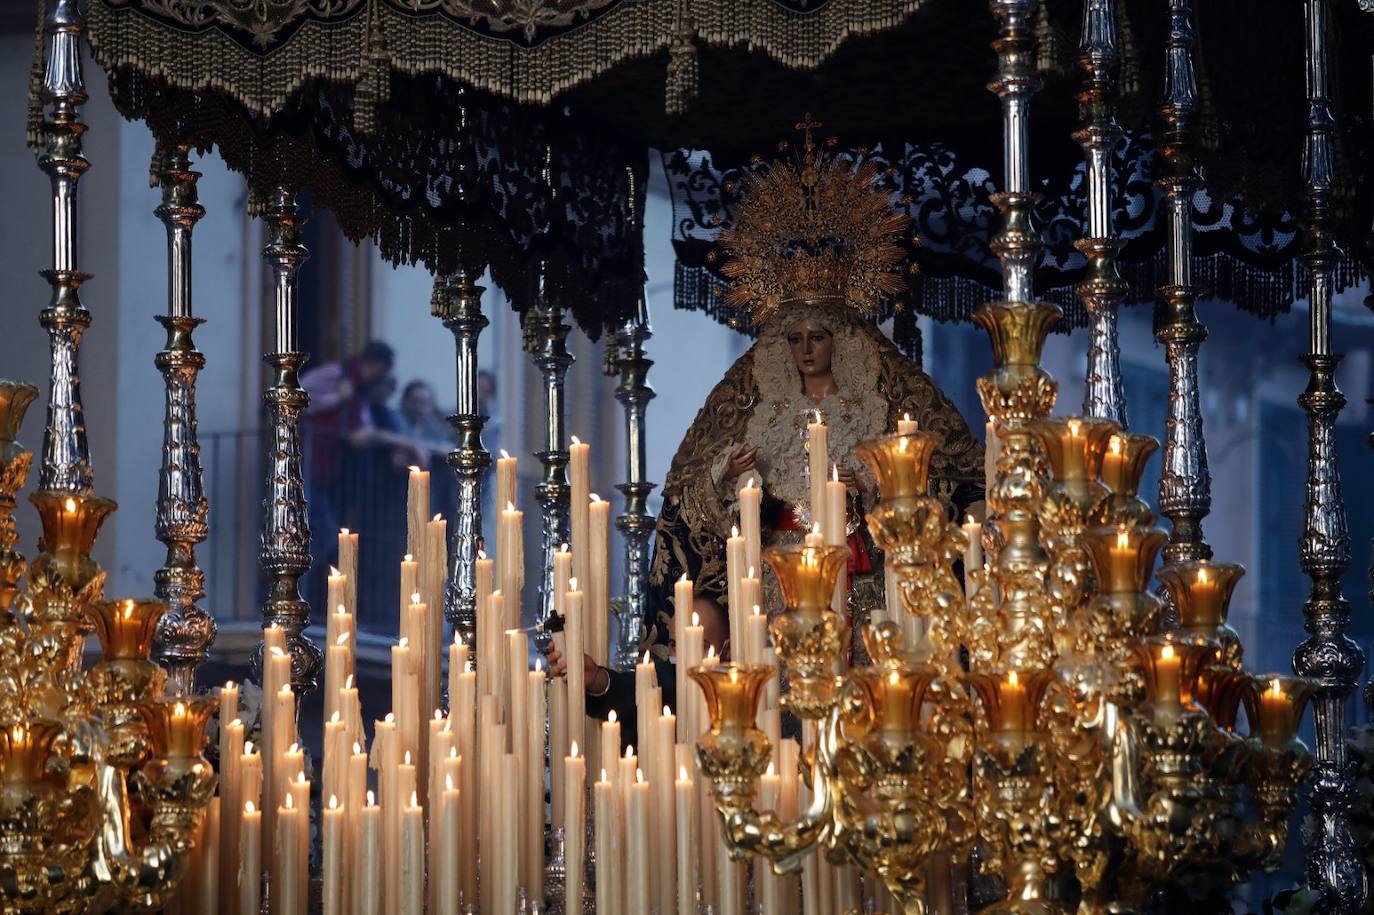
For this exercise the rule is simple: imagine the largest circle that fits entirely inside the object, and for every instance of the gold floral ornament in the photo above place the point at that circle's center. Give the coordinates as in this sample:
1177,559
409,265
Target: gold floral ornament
813,227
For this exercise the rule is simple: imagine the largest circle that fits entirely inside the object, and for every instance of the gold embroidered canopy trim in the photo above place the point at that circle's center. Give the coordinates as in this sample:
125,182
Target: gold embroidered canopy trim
261,51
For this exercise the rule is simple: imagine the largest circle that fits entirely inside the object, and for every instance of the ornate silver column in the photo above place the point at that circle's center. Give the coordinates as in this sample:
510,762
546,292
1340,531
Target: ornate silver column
1185,484
546,339
635,524
184,634
285,542
458,303
66,461
1328,655
1102,290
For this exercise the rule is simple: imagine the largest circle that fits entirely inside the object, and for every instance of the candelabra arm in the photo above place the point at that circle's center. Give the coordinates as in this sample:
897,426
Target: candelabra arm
458,303
285,540
1123,809
546,339
636,524
148,872
186,631
66,460
786,845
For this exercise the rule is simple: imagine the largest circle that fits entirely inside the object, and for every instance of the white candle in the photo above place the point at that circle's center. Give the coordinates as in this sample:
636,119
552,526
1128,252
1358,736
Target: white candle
332,858
348,568
598,586
637,836
818,461
973,554
289,884
573,640
450,885
906,425
505,479
250,860
417,509
770,885
685,808
369,861
413,858
607,878
533,831
682,616
991,448
734,571
661,791
435,571
465,706
231,809
206,896
580,489
750,498
511,558
574,819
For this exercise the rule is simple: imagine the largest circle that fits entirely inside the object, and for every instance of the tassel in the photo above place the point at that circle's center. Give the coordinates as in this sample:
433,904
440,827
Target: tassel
374,80
1049,56
1128,83
33,126
682,69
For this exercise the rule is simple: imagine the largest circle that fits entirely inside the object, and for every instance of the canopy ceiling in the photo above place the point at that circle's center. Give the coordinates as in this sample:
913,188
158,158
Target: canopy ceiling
515,134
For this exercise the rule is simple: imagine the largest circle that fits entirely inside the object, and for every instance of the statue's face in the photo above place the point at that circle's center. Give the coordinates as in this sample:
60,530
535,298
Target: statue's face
812,347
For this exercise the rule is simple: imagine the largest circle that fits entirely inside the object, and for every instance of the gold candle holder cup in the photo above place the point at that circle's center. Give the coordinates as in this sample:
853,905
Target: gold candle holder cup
807,633
733,752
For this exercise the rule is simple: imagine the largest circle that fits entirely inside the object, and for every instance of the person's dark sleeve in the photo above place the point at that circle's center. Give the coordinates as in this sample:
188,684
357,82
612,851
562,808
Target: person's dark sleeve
620,698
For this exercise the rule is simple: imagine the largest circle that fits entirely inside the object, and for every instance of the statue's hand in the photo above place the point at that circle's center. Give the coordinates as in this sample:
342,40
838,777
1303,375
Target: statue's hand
741,461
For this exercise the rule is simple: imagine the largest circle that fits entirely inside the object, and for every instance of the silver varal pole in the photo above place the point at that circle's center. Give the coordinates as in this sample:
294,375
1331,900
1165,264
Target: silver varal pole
458,303
636,525
1185,483
66,457
546,339
184,634
285,543
1102,290
1328,655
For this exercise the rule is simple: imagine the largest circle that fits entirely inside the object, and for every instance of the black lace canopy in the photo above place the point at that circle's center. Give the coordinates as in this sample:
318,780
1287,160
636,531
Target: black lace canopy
516,136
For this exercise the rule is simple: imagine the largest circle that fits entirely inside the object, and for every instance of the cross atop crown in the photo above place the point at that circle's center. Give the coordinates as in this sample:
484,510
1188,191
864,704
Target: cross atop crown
806,125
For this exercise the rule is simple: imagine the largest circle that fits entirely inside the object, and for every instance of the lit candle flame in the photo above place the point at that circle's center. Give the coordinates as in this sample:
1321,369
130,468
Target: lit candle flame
403,643
414,468
448,782
289,802
612,717
563,548
342,639
594,497
415,597
734,675
630,751
333,572
572,751
333,802
667,712
1074,426
894,678
1202,576
407,759
734,530
248,748
835,473
639,776
1115,444
572,583
71,504
357,748
682,773
408,558
696,618
1167,653
576,440
505,455
248,807
334,718
1123,540
348,682
371,798
1013,679
1276,688
770,768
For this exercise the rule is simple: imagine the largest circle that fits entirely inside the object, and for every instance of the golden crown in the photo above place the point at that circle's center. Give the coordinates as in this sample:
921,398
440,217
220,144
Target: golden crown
812,227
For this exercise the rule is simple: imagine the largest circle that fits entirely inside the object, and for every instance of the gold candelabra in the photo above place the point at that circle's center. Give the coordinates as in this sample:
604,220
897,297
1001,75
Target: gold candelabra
102,782
1049,717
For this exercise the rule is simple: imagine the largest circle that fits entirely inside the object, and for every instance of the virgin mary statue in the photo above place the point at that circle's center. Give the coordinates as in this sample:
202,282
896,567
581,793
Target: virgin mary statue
812,256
